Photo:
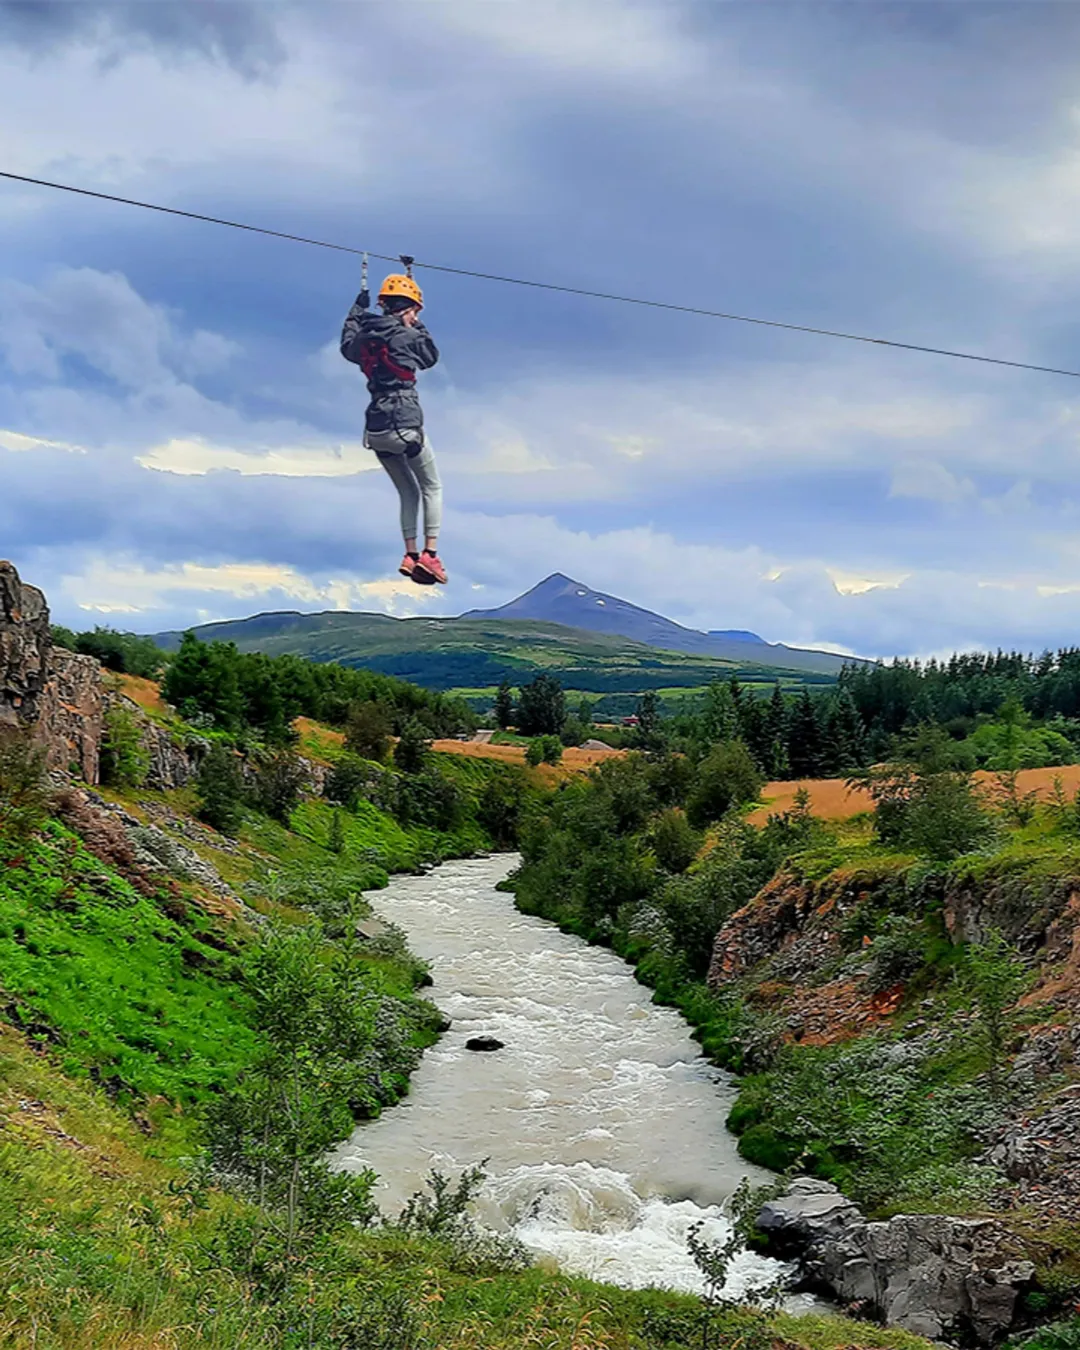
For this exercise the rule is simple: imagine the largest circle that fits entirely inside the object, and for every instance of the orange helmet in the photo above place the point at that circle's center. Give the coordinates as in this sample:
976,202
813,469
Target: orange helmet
399,284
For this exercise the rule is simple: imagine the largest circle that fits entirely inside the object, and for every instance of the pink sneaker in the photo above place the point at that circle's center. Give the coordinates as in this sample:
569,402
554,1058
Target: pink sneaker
408,565
429,569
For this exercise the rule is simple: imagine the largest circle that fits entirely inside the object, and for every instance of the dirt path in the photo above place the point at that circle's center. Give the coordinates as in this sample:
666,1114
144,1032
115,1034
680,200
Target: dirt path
831,799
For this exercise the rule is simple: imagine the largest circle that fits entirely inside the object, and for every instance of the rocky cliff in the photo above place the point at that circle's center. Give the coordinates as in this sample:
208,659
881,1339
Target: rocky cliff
841,959
55,694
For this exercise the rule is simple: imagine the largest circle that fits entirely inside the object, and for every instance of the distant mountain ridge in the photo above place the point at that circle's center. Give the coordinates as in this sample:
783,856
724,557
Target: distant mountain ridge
561,599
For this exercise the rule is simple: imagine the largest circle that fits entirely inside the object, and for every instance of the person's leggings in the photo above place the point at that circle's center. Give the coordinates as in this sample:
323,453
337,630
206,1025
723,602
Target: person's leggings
415,475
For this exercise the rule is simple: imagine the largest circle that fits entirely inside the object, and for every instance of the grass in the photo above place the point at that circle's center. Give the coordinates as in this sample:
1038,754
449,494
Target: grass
106,1247
135,992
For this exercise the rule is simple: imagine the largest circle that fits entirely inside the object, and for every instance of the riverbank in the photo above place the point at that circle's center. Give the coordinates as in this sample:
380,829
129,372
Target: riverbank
905,1025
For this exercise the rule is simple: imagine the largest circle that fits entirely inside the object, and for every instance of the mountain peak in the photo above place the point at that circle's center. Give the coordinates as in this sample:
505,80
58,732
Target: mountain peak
561,599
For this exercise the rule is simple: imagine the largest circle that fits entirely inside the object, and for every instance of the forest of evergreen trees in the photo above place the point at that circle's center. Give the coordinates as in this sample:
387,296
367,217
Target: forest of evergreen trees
1000,711
214,684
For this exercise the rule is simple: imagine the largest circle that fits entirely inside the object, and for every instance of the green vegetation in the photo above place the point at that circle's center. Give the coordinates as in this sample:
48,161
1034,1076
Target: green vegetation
482,653
173,1070
874,1042
125,653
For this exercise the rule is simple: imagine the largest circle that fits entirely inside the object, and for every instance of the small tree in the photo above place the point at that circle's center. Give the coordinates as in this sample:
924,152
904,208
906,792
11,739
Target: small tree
500,807
335,840
726,776
675,841
650,734
124,760
504,706
367,730
24,793
411,751
220,786
995,976
541,707
279,780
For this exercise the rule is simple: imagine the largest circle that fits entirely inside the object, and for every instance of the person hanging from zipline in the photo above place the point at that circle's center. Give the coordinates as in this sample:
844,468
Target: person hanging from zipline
390,348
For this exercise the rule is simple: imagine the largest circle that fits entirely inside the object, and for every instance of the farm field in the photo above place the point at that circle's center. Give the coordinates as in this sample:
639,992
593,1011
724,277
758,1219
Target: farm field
832,799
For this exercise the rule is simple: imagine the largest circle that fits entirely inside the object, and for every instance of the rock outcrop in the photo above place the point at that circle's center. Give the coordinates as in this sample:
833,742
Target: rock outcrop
25,648
939,1277
55,694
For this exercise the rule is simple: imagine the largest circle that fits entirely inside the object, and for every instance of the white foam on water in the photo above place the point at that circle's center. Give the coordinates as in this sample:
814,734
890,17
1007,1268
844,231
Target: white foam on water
589,1221
602,1123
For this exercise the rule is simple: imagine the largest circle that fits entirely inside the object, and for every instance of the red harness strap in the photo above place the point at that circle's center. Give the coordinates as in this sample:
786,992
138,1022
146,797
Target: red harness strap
375,353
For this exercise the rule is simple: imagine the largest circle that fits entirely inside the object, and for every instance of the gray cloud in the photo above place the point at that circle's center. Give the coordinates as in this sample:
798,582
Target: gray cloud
241,35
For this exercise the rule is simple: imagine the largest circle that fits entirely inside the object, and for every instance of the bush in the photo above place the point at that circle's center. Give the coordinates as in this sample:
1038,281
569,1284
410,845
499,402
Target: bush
726,777
279,780
367,731
351,780
430,799
574,731
675,841
896,953
221,791
927,806
544,750
124,760
24,794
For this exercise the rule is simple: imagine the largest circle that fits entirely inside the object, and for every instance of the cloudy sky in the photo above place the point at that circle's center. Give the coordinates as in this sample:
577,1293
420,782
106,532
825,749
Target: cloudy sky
180,440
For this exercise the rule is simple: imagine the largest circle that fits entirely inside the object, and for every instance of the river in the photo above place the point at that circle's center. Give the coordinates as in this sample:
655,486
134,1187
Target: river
602,1123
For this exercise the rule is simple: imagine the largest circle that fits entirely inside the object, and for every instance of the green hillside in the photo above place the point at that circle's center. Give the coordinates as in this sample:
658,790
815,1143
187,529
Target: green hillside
478,653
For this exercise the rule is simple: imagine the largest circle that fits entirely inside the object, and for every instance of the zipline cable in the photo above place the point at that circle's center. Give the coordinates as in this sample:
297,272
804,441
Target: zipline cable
546,285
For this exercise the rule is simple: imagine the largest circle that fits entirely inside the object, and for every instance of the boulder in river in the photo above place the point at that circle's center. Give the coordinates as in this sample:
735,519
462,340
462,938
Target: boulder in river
939,1277
483,1043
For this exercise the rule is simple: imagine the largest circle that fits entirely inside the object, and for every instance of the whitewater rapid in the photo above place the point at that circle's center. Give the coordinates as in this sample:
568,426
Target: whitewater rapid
602,1123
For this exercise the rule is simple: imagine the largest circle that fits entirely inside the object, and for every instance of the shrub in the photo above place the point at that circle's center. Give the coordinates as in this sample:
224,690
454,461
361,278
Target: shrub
544,750
896,953
726,776
367,731
927,808
995,977
279,779
24,794
431,799
351,780
220,787
675,841
574,731
124,760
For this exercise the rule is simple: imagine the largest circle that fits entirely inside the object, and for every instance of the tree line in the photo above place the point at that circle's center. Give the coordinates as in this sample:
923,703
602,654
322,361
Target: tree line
215,685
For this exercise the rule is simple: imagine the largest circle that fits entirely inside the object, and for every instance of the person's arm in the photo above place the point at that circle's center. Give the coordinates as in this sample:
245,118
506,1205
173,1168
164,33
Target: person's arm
353,329
416,344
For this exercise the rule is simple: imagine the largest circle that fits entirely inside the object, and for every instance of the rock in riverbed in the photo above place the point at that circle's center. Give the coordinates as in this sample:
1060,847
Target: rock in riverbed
940,1277
483,1043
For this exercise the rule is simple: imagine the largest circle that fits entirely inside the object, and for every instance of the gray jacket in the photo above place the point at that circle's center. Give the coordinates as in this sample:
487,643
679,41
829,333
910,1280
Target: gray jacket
389,354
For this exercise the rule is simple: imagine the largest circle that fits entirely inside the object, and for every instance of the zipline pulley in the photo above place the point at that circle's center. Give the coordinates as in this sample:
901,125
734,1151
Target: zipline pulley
365,294
407,262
